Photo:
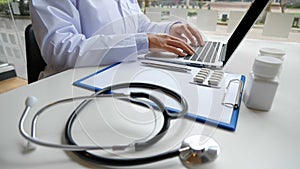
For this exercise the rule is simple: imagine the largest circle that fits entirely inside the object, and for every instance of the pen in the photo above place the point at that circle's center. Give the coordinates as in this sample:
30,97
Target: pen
236,103
168,67
239,95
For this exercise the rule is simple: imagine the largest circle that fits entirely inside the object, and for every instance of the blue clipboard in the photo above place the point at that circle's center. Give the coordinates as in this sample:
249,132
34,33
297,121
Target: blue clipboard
230,126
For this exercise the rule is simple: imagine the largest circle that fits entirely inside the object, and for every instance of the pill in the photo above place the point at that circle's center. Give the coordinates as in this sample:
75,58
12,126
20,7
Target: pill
202,76
205,70
213,82
217,73
199,79
216,77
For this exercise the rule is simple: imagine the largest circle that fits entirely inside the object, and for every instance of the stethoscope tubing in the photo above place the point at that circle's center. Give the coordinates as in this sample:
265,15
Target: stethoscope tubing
81,151
139,146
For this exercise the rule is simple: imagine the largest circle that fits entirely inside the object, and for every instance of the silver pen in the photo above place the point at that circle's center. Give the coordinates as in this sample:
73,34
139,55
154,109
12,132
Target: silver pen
236,103
167,67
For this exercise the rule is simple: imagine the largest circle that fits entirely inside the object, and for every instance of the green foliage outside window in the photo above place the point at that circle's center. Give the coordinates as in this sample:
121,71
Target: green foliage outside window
23,6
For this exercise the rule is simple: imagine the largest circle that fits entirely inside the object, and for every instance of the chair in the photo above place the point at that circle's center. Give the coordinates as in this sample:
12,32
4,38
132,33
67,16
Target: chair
207,20
235,18
154,16
178,14
35,62
278,24
153,13
153,9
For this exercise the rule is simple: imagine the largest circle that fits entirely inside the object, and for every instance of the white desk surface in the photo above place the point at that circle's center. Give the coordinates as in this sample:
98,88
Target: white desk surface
261,140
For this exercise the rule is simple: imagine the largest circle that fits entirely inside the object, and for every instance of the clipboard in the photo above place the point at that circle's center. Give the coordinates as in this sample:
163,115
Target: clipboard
217,107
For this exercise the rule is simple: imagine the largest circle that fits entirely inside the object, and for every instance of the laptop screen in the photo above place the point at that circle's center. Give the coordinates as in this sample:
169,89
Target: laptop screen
244,26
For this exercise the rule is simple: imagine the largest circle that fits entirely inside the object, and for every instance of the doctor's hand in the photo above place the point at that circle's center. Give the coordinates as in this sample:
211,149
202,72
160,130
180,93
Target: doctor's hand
169,43
179,29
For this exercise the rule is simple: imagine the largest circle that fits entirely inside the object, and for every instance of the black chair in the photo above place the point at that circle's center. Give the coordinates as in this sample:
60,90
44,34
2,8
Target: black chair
35,62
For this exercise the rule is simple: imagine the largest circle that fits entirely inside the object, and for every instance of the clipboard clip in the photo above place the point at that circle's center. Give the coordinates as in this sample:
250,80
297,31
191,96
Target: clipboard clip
236,103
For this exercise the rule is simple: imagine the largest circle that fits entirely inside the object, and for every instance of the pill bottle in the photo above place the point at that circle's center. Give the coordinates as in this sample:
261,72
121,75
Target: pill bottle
262,83
273,52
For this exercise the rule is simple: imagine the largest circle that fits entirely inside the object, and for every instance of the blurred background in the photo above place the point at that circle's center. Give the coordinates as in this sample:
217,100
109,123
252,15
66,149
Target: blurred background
279,22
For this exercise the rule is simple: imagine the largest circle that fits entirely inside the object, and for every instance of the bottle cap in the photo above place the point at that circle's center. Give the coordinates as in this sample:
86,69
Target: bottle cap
266,66
278,53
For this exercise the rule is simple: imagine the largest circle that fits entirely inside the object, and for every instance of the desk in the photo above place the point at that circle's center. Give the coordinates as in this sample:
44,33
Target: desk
262,139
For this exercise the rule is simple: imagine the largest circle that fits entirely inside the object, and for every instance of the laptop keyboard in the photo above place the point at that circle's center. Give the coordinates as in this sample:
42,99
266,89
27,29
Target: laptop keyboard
206,53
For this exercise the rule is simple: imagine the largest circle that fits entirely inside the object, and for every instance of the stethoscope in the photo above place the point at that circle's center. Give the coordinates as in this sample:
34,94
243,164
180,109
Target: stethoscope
194,151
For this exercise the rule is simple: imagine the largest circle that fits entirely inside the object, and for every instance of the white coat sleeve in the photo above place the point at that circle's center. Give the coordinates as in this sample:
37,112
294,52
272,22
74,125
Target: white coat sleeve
58,32
154,27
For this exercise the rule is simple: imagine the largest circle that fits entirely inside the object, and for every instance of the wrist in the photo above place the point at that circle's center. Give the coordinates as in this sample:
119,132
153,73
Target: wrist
142,43
169,27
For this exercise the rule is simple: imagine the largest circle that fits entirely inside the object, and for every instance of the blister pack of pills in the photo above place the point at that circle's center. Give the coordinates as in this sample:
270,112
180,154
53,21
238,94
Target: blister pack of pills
209,77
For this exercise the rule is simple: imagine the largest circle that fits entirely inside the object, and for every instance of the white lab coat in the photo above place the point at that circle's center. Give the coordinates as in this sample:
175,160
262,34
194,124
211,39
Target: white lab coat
77,33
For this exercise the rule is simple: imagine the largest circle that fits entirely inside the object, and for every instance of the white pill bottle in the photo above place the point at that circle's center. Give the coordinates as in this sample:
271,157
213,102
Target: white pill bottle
262,83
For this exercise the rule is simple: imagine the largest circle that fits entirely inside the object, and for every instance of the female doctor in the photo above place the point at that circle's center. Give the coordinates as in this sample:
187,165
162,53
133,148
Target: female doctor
77,33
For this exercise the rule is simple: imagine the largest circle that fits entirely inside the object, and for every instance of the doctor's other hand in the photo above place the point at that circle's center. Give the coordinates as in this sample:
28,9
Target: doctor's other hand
169,43
179,29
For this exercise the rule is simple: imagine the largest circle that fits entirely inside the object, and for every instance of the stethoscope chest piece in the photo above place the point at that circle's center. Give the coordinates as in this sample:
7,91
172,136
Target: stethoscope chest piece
198,149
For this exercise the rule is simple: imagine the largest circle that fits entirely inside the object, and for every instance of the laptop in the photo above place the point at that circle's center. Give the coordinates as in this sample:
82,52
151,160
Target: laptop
215,54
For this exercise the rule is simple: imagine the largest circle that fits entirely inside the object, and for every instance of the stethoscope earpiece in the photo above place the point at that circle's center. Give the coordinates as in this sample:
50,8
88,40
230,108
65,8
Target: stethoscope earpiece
30,101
